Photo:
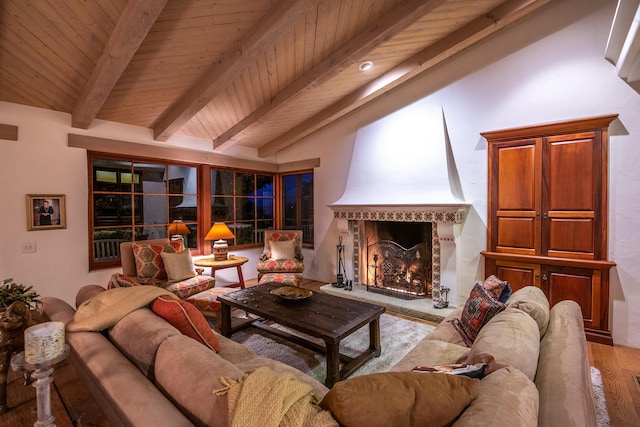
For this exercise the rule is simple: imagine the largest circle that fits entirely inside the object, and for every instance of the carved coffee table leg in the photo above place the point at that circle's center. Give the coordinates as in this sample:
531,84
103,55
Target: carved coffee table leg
333,363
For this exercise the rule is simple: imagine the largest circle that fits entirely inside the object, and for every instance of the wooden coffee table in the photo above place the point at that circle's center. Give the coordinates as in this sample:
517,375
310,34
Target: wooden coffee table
323,316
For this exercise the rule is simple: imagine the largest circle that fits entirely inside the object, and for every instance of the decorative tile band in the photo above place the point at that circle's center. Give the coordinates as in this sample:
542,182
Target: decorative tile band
358,214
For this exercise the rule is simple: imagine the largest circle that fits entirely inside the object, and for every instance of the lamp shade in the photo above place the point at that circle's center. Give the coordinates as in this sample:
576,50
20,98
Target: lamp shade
219,230
178,227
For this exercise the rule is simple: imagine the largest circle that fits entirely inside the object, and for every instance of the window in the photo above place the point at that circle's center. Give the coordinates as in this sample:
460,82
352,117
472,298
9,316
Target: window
245,202
297,204
134,200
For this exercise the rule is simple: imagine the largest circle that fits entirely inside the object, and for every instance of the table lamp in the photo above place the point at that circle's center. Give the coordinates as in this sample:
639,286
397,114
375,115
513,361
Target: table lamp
177,228
219,232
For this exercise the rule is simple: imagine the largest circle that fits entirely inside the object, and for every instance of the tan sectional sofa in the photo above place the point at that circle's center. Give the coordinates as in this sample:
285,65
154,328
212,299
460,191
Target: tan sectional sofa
144,372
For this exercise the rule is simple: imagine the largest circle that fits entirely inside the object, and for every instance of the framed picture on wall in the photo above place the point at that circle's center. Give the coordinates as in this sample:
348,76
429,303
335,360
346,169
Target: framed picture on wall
46,211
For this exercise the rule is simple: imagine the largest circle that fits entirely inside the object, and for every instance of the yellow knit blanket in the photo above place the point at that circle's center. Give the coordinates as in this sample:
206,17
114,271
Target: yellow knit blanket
107,308
269,399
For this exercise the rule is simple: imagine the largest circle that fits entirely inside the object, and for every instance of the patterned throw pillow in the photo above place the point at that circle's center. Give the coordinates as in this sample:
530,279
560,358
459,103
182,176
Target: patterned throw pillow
494,286
148,260
478,310
186,318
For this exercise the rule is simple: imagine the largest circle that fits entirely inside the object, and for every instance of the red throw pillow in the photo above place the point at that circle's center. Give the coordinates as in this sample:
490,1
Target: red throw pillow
478,310
187,319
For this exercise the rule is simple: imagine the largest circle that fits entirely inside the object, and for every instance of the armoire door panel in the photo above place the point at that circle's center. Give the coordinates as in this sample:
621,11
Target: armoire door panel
517,178
518,275
579,285
571,236
570,175
517,233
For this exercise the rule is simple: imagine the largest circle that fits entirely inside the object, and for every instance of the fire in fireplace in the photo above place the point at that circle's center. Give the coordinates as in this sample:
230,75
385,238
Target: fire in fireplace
398,256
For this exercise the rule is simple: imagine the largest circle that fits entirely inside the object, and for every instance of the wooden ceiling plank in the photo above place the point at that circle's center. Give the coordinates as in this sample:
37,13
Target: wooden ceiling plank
264,33
480,28
133,26
372,36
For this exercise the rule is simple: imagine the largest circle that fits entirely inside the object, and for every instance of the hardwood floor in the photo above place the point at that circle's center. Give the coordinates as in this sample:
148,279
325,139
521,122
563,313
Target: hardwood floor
73,406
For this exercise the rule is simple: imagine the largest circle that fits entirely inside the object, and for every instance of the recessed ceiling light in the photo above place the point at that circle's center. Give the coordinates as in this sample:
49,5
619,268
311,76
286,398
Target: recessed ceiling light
365,65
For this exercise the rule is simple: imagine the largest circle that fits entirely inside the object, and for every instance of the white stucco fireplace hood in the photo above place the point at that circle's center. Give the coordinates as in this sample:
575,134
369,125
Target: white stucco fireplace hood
403,167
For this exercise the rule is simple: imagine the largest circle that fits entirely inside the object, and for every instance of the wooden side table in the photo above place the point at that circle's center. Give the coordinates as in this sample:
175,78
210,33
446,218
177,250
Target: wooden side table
233,261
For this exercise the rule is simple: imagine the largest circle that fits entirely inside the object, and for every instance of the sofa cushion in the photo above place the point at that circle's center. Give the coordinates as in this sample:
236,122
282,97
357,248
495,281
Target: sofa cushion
505,398
479,308
445,330
138,336
148,259
512,339
179,265
432,353
534,302
188,373
563,377
416,398
187,319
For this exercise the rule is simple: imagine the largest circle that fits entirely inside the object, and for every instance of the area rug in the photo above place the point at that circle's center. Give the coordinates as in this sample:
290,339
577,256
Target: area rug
397,336
602,414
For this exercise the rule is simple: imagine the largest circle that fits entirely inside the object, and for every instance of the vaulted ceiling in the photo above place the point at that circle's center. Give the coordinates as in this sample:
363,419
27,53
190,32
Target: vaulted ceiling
258,73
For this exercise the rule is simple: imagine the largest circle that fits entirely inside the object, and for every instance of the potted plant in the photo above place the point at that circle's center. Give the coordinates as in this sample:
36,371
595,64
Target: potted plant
11,292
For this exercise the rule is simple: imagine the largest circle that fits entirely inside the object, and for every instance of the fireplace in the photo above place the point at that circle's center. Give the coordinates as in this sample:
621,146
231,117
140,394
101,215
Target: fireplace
433,224
403,170
397,257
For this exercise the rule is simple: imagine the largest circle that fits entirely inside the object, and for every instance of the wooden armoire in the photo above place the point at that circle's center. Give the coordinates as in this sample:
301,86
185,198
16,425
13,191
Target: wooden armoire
547,213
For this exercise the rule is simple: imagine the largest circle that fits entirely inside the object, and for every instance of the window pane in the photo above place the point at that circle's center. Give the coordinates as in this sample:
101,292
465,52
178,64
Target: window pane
264,185
244,233
150,209
263,225
108,175
151,178
221,182
264,208
245,208
222,209
244,184
183,180
111,209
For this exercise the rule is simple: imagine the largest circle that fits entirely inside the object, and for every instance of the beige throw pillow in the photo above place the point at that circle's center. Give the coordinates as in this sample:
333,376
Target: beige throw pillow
179,266
283,249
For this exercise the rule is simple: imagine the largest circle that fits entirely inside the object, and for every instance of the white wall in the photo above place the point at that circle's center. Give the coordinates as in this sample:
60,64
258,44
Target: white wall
40,162
549,67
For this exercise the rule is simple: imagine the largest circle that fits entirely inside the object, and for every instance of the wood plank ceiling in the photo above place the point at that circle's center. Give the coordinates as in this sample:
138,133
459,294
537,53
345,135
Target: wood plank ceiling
258,73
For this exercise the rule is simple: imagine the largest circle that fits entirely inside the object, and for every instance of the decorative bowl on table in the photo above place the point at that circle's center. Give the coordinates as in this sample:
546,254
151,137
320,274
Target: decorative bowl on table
291,293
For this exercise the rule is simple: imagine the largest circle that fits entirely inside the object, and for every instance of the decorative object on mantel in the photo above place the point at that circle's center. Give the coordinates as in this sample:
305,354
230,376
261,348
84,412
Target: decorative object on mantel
220,232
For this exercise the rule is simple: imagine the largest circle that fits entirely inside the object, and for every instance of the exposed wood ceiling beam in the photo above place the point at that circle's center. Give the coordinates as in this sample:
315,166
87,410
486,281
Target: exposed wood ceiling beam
219,76
478,29
137,19
392,23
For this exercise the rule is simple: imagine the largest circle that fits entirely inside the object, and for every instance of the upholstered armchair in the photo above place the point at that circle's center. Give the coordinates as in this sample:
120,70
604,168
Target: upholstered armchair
165,263
281,259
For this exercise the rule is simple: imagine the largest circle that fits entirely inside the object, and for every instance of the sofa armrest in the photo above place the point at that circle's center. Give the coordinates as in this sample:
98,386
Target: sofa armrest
564,376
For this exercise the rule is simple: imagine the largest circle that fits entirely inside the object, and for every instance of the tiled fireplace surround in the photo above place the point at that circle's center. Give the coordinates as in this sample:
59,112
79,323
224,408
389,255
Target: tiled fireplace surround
443,219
